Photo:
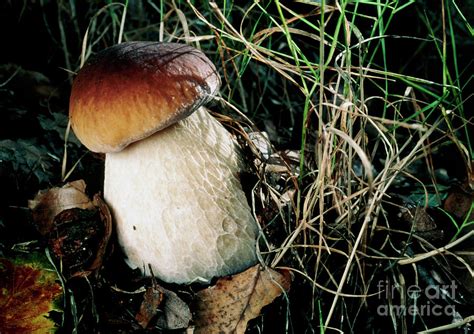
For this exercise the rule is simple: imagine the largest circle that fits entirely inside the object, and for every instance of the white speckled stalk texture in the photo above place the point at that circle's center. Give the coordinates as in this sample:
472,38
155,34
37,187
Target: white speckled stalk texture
178,203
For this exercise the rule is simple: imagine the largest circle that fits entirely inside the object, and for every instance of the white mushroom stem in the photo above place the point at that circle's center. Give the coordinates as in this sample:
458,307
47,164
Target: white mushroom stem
178,202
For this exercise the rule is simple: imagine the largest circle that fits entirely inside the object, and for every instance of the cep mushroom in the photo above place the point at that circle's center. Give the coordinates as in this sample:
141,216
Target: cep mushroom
171,169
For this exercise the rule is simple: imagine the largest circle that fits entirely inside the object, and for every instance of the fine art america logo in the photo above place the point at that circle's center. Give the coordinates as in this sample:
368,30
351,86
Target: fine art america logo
432,296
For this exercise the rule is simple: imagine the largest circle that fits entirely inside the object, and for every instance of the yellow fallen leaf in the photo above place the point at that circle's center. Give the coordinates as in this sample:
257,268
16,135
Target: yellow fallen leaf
229,305
27,295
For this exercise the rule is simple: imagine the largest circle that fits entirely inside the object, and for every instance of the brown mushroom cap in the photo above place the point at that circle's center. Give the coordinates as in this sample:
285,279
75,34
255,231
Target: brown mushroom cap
131,90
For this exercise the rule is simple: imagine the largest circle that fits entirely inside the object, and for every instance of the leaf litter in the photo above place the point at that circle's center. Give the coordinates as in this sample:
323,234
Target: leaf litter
28,293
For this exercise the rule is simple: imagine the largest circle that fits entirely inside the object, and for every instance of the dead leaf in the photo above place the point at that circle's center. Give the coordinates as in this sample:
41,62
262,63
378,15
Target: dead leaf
423,225
77,229
149,306
176,313
106,219
228,306
459,202
27,294
48,203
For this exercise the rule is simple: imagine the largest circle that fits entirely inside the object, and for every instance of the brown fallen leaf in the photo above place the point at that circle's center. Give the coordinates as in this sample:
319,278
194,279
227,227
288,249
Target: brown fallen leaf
48,203
229,305
420,221
174,313
458,204
77,229
106,219
149,306
27,295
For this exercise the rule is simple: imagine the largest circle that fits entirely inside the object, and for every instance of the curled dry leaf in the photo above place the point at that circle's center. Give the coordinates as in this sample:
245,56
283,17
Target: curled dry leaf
228,306
149,307
48,203
27,294
174,313
77,229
